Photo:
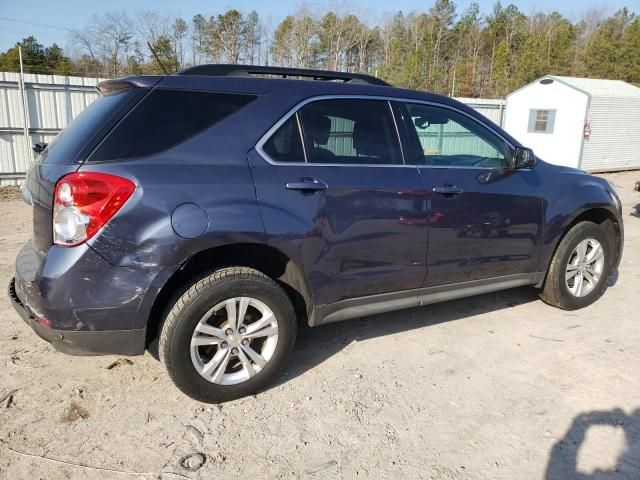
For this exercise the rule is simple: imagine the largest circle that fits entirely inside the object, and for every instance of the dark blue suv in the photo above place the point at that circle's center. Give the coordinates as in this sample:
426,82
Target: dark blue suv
214,208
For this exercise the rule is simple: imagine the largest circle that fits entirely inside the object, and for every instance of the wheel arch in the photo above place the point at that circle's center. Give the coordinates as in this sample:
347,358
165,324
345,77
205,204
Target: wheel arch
264,258
599,215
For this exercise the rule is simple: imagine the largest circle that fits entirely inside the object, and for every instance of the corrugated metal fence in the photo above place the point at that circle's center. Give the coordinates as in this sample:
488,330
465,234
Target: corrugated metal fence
492,108
52,101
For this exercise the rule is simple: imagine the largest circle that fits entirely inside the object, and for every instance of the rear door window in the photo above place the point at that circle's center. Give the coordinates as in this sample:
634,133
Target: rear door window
166,118
350,131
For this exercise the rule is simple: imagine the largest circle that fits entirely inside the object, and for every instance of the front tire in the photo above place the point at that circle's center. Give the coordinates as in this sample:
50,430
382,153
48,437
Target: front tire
579,269
228,335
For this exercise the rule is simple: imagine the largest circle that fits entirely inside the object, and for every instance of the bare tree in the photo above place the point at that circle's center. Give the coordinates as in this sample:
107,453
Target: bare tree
199,25
337,35
282,49
107,39
488,55
389,34
266,40
586,26
443,13
154,28
226,36
251,37
417,26
305,33
84,42
179,32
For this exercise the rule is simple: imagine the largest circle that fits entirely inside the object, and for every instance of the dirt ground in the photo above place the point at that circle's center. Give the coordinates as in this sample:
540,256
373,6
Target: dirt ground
499,386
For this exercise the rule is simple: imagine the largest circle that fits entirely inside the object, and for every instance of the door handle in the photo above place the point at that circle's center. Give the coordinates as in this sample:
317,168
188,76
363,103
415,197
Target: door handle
307,184
448,190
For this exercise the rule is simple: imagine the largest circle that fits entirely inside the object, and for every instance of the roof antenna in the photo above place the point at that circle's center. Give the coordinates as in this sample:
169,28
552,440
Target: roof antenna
157,59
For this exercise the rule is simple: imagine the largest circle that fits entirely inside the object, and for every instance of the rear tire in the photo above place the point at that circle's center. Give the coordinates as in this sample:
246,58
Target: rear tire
228,335
578,272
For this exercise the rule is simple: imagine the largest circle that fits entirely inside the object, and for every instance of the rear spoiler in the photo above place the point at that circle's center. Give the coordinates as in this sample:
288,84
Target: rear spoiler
107,87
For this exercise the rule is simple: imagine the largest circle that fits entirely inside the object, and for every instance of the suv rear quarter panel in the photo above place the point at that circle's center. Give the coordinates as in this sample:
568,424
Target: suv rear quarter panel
202,172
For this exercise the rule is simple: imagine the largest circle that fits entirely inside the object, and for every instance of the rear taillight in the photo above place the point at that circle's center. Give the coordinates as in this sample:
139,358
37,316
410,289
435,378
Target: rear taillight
84,202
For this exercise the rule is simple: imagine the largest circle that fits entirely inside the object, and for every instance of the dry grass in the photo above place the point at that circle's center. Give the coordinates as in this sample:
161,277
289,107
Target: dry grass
120,363
75,412
10,192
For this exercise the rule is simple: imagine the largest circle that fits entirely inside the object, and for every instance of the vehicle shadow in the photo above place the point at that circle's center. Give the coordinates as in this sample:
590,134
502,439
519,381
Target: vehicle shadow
563,460
317,344
636,211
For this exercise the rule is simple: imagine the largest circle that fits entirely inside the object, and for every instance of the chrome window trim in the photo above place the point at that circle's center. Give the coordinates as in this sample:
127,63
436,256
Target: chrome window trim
299,105
395,125
304,146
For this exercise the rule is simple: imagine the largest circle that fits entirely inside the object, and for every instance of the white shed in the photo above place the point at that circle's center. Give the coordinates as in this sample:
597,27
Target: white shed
578,122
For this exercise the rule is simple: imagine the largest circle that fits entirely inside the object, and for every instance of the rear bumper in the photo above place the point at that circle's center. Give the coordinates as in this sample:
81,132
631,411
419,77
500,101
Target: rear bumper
105,342
83,305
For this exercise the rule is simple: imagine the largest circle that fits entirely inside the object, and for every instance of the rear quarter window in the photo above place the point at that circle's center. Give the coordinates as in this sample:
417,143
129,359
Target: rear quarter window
87,129
166,118
285,145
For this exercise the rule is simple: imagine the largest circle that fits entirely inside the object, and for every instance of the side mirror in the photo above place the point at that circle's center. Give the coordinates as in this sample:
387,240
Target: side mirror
523,158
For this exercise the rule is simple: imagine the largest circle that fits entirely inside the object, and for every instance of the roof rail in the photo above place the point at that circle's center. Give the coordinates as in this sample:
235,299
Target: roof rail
222,70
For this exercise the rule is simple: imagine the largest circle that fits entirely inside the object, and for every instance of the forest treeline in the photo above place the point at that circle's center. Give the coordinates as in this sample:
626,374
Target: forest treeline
441,49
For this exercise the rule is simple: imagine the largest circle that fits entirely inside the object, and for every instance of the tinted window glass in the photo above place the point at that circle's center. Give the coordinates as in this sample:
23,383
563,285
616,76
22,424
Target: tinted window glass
443,137
286,145
350,131
166,118
91,125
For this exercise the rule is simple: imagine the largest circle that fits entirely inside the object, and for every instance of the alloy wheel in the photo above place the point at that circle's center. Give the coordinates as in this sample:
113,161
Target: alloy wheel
234,340
585,267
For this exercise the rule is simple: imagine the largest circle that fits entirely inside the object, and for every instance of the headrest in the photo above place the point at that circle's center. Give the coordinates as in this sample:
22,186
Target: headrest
317,127
369,138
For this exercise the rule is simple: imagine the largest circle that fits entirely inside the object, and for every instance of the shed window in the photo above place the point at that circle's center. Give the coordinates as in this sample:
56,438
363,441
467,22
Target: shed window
541,121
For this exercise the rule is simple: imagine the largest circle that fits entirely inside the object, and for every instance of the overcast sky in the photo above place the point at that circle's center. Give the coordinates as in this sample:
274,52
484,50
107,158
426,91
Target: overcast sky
66,14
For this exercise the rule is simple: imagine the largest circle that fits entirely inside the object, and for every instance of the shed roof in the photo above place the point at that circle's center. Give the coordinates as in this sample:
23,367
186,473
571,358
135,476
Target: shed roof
600,88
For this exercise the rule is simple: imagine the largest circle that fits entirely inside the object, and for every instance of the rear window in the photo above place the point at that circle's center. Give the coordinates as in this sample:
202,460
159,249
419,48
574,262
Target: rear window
89,127
166,118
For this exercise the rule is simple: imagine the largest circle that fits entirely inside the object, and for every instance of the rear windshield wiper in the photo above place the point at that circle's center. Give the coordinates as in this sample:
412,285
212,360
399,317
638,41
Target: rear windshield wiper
39,147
